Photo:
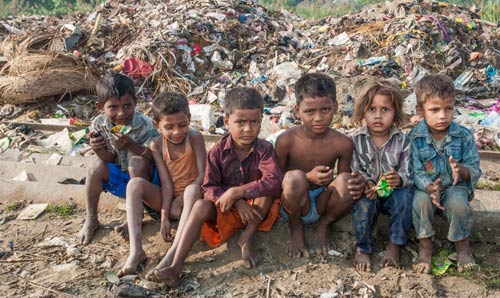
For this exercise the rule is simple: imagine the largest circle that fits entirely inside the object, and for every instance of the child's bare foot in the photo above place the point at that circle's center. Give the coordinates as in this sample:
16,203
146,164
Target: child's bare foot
362,261
167,260
170,276
295,248
250,257
133,261
465,260
391,258
122,230
87,232
423,262
323,241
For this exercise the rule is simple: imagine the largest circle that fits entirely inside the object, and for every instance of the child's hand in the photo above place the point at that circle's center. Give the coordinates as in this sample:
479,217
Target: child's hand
226,201
122,141
356,185
165,230
320,175
456,168
247,213
370,190
434,191
97,142
393,179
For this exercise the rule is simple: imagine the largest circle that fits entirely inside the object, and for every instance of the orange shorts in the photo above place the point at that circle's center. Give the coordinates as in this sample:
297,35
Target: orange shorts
230,222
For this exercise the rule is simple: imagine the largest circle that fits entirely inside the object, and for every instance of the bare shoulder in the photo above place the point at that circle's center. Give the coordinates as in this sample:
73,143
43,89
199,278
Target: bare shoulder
156,144
341,139
195,135
287,137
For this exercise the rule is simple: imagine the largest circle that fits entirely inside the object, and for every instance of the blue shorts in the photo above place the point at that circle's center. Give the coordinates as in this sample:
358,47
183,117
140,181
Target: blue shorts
118,180
313,215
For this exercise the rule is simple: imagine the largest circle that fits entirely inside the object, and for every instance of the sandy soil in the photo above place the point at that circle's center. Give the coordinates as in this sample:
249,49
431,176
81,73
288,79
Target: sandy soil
34,269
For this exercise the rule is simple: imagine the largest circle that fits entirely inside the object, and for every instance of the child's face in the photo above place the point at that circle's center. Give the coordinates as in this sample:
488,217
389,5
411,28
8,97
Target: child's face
438,114
317,113
118,110
174,127
244,126
379,116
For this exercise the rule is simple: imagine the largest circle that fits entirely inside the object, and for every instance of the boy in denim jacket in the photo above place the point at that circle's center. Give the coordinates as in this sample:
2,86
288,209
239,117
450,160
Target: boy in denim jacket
445,164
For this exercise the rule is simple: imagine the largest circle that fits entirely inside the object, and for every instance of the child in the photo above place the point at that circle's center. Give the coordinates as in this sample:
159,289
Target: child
242,179
445,164
179,154
308,153
120,155
381,151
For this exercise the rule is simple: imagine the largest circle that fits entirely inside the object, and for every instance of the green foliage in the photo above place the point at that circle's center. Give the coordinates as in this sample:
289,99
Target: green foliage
46,7
63,210
488,9
14,206
487,184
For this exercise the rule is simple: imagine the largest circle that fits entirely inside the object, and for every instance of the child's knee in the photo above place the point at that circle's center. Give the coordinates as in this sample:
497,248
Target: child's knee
97,167
202,209
192,190
421,201
294,182
136,186
138,166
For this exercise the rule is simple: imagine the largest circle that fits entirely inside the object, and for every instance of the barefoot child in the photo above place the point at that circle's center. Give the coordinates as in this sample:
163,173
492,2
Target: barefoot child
120,155
445,164
179,154
381,151
242,179
308,153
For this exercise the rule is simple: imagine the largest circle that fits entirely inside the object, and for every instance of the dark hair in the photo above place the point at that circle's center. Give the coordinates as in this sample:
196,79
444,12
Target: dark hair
315,85
114,86
242,98
382,87
434,85
167,103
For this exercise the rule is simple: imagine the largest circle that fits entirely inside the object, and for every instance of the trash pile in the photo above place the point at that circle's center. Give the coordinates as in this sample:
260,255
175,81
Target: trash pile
202,48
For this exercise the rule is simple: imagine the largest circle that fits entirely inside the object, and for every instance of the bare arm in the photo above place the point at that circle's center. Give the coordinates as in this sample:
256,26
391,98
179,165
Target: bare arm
198,144
165,179
345,156
281,148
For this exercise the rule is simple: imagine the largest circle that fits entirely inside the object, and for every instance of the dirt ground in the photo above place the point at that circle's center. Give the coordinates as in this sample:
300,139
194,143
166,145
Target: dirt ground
31,267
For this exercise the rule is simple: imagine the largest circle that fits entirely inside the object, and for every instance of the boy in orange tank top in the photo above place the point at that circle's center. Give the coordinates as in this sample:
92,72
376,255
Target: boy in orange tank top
179,153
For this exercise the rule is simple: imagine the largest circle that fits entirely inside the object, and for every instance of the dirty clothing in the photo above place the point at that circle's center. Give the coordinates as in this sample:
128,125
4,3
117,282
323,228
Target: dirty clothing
259,173
142,132
430,163
184,170
229,223
458,211
313,215
118,180
365,212
372,163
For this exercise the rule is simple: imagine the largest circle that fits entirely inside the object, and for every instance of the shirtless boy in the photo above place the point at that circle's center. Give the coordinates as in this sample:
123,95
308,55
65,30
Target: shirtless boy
308,154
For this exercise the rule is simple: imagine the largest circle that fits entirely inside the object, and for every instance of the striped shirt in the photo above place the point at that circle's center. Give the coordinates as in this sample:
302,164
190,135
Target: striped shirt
372,163
142,132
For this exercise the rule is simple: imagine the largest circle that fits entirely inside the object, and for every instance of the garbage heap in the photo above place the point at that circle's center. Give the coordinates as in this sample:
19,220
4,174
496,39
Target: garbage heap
202,48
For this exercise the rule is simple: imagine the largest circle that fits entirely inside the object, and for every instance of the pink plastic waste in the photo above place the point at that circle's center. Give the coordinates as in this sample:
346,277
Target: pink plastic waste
136,68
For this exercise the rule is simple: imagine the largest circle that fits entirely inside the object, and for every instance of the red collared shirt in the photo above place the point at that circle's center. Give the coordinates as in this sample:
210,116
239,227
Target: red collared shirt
259,173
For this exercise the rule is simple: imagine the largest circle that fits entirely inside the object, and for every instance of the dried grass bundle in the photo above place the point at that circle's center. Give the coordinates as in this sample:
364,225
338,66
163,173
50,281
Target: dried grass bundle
29,87
40,61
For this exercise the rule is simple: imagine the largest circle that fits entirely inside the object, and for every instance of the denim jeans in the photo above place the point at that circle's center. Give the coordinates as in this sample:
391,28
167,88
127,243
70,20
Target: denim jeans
455,200
397,205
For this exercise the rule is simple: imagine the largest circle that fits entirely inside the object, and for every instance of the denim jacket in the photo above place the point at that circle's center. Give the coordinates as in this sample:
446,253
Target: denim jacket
430,164
372,163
